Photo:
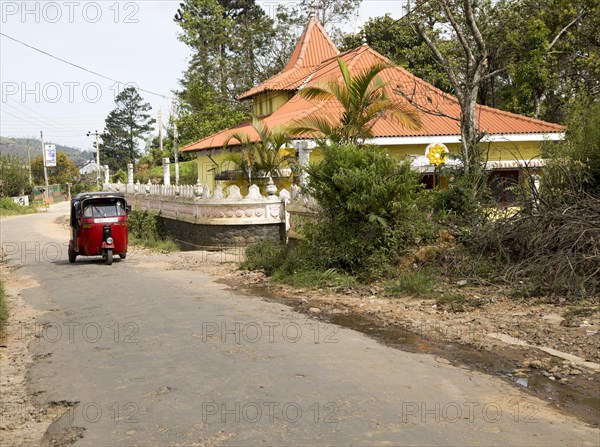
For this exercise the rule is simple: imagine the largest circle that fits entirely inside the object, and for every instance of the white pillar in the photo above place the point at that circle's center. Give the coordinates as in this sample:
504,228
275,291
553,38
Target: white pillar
304,149
130,173
106,174
166,171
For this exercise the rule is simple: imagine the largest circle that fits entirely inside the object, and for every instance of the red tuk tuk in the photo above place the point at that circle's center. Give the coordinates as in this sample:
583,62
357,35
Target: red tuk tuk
99,225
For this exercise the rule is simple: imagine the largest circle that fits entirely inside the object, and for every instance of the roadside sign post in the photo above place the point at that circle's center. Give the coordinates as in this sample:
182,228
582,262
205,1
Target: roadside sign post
47,191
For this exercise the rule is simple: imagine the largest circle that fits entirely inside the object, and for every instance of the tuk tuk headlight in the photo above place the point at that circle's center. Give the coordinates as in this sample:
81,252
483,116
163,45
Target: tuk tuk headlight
109,240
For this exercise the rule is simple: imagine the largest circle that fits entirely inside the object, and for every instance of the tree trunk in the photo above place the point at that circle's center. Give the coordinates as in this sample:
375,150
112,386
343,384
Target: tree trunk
468,129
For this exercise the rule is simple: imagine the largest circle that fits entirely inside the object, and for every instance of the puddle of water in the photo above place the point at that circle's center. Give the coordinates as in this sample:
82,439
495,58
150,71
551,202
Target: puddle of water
585,405
523,381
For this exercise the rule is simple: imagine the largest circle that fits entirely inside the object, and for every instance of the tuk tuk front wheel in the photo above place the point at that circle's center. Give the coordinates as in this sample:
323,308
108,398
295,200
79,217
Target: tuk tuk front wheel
109,256
72,256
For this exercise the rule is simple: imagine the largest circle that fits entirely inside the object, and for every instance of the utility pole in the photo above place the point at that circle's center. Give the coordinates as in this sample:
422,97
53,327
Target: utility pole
47,192
160,134
97,156
29,160
175,137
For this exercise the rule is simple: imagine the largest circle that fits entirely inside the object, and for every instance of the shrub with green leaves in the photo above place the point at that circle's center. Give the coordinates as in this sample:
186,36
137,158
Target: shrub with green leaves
146,225
369,210
463,198
119,176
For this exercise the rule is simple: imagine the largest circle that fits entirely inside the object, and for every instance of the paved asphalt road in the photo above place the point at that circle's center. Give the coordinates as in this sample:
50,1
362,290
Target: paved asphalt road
157,357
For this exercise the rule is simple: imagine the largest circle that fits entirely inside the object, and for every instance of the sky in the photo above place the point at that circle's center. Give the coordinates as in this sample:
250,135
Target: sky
125,41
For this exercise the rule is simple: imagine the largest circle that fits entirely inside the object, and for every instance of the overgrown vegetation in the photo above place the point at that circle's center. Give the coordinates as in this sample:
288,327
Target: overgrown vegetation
147,229
372,223
552,245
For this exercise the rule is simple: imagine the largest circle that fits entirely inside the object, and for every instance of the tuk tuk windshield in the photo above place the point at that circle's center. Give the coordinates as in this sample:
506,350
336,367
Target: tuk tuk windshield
104,208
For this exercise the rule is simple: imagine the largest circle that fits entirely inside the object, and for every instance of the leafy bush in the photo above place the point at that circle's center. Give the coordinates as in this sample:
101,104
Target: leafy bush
188,173
463,198
146,228
14,175
119,176
369,211
573,165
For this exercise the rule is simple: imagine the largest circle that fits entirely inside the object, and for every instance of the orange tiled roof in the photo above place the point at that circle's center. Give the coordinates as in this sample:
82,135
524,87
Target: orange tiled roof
439,111
314,46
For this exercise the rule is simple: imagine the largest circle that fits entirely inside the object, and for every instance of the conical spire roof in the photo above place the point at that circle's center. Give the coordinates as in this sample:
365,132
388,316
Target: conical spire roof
313,48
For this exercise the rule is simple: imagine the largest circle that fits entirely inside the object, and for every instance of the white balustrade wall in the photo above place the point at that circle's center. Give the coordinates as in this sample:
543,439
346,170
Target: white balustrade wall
197,204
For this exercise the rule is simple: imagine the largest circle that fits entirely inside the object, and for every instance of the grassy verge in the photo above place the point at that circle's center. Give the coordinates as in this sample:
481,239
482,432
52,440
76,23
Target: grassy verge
291,265
288,265
3,309
315,279
10,208
167,244
419,283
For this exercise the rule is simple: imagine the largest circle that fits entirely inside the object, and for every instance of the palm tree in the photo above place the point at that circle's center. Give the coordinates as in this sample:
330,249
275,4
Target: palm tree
364,100
263,156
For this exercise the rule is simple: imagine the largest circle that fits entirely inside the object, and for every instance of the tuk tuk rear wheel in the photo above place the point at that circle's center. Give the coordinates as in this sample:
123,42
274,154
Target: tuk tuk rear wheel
109,256
123,255
72,256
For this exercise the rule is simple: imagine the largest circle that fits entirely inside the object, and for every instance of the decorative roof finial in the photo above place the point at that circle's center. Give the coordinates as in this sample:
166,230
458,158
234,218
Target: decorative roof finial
364,37
312,9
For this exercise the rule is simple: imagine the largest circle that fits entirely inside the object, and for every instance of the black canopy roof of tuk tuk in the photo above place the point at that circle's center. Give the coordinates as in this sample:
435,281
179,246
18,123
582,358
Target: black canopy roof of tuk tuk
76,201
98,195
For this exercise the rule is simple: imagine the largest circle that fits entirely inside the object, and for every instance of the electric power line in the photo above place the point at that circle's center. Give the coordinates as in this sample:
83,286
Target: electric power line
79,66
43,119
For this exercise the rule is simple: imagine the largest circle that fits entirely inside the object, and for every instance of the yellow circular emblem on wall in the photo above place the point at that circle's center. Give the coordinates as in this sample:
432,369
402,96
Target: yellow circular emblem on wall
436,153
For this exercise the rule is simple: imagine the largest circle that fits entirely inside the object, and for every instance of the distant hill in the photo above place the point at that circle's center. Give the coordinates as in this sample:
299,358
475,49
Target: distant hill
18,146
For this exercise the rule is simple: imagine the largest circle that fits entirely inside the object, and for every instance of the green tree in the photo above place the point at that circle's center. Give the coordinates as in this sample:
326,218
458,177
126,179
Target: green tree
202,113
65,170
401,45
232,43
363,99
125,126
14,176
552,52
230,40
574,164
333,14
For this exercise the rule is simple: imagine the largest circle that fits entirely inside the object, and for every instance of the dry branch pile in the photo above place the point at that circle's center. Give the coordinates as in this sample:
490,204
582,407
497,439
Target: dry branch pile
555,249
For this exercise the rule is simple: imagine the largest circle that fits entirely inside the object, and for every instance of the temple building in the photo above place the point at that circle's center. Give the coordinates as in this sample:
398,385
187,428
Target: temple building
513,141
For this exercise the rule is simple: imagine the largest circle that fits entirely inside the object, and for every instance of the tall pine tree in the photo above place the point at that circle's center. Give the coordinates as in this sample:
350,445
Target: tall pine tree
125,126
